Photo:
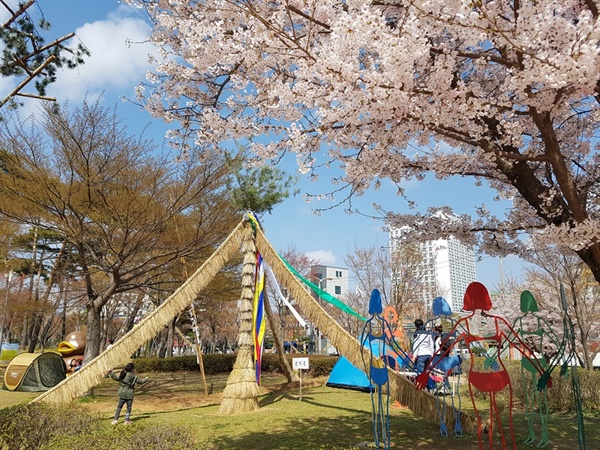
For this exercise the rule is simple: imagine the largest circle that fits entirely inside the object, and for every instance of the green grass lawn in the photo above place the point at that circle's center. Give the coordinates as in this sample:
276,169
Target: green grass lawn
328,417
325,418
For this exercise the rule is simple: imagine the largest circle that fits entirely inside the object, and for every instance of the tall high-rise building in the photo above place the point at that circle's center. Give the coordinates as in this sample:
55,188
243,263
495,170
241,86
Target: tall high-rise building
445,269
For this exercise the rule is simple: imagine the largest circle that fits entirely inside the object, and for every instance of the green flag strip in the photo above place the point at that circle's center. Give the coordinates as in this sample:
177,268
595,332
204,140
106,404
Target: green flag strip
323,294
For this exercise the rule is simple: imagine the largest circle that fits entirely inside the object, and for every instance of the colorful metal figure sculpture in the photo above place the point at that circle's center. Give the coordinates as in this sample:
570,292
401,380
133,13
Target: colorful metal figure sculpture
444,363
566,358
396,334
485,379
440,307
535,329
378,336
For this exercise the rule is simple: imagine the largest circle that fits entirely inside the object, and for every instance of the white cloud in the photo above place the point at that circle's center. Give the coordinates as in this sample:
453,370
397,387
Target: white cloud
117,64
114,65
325,257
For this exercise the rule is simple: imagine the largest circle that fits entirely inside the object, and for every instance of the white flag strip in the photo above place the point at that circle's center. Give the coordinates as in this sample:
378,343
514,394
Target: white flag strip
274,282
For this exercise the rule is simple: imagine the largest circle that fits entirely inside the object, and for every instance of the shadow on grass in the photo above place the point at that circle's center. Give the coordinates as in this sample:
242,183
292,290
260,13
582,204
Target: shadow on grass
345,432
311,401
345,427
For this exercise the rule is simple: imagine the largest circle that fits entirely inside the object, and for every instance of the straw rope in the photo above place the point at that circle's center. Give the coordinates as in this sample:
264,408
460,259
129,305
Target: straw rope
420,402
241,392
92,373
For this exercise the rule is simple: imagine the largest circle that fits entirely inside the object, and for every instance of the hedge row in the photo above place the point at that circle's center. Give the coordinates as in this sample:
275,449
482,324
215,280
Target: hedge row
217,363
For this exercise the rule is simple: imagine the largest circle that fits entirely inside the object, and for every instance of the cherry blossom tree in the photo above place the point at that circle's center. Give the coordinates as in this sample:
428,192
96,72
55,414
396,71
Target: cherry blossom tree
506,93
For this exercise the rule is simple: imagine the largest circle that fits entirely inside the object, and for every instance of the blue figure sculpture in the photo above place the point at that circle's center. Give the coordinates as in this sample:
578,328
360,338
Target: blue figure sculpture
446,363
376,336
441,307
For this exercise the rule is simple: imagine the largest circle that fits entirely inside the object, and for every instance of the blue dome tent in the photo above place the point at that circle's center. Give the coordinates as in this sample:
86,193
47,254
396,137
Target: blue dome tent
344,375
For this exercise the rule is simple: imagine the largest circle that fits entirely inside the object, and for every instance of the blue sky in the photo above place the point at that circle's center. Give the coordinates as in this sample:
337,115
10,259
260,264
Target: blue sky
115,68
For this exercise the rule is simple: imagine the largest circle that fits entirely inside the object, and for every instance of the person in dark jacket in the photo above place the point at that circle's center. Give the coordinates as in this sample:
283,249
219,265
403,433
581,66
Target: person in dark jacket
127,380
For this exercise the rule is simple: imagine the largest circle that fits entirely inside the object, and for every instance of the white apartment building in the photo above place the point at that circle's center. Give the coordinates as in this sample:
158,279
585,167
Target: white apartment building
446,269
333,280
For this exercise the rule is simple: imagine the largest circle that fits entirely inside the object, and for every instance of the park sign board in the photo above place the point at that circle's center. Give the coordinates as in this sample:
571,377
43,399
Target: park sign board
300,363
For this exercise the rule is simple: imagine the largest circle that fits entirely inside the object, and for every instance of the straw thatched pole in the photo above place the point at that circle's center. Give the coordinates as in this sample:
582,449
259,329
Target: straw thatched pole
401,389
241,393
93,372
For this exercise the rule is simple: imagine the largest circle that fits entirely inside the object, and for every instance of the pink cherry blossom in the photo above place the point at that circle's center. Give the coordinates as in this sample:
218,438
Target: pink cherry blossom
504,92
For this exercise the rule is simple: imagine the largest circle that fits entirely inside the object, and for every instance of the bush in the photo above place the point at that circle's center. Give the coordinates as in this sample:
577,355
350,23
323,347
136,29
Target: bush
69,426
215,364
321,365
155,437
32,426
560,395
271,363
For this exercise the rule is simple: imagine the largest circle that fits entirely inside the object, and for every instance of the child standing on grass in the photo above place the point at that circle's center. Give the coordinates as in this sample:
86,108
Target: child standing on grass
127,380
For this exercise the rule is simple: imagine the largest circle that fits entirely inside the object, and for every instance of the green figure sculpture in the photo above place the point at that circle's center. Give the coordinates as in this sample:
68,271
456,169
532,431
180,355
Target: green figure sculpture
534,328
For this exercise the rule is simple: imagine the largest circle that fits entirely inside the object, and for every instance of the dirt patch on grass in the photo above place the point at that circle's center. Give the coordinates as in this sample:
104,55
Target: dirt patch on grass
183,390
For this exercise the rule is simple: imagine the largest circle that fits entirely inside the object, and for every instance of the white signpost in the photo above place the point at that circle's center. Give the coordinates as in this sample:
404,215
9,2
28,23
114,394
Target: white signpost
300,364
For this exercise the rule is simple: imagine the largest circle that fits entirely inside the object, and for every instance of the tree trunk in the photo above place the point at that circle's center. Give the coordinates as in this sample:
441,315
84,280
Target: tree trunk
591,256
162,345
63,329
95,303
24,329
40,333
134,312
31,321
92,343
44,300
171,338
33,295
36,326
46,331
581,324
